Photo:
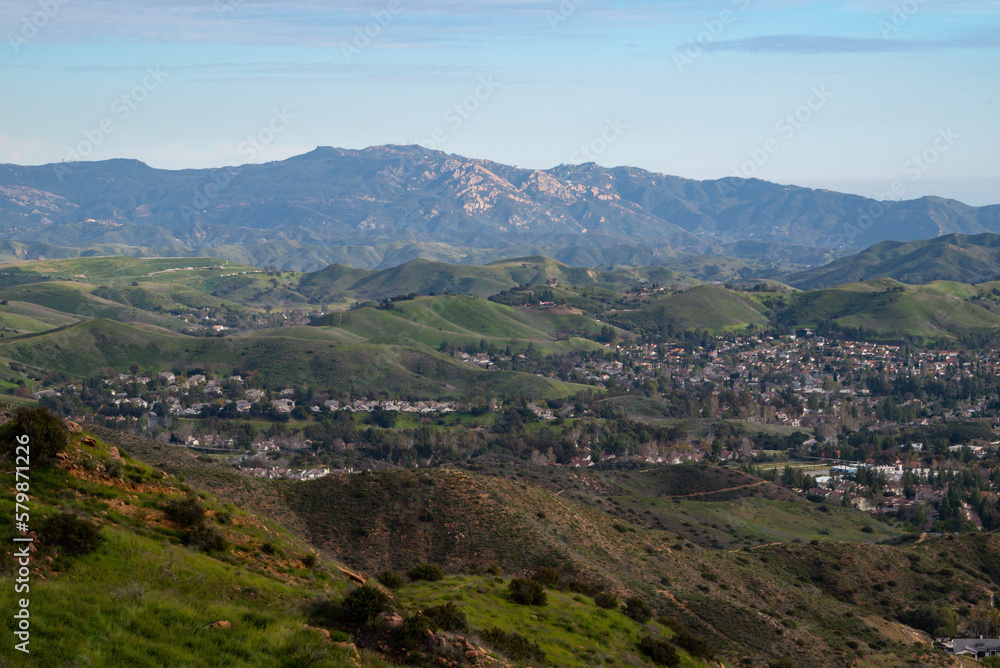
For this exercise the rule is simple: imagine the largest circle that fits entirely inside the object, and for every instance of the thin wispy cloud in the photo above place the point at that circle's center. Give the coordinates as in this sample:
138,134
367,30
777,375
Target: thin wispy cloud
823,44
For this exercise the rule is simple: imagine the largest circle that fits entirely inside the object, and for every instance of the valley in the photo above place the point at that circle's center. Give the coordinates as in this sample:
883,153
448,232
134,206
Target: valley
631,430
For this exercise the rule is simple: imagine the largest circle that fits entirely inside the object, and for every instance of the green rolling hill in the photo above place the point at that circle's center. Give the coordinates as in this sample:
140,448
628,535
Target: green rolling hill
466,320
955,257
275,358
890,308
423,277
705,307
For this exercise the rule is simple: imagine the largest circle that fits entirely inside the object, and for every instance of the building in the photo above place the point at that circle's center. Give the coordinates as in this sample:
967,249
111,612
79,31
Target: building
978,648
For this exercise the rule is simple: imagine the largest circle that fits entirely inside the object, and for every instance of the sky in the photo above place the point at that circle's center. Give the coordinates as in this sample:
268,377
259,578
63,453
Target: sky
893,99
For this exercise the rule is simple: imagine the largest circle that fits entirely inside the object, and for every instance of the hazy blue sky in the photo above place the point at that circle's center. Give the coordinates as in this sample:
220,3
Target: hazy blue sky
857,96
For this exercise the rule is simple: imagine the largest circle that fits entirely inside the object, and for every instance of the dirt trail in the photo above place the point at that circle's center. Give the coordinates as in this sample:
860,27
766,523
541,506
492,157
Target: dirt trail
716,491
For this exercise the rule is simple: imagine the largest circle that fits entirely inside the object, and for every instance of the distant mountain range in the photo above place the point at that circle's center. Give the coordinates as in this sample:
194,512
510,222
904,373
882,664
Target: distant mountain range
385,205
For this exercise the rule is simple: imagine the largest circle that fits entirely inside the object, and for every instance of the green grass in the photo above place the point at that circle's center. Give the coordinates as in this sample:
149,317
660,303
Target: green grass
364,368
466,320
763,519
572,630
893,309
705,307
143,599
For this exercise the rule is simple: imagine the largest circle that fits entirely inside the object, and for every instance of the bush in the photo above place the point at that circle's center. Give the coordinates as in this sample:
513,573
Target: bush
659,651
390,579
428,572
46,431
937,621
694,645
606,600
207,538
546,576
412,633
513,645
188,512
113,468
75,535
527,592
579,587
637,609
447,617
364,604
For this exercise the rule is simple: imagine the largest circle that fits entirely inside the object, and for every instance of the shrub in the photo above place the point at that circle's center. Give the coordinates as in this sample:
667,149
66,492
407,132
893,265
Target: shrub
46,431
579,587
75,535
207,538
113,468
364,604
513,645
546,576
412,632
447,617
672,623
937,621
694,645
527,592
637,609
428,572
390,579
659,651
188,512
130,593
606,600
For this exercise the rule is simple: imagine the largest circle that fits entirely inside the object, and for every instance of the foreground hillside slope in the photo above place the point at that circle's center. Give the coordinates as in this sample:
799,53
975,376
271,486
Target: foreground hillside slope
829,600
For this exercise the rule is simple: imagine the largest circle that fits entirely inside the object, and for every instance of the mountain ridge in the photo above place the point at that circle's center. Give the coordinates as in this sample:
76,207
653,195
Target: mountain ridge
331,199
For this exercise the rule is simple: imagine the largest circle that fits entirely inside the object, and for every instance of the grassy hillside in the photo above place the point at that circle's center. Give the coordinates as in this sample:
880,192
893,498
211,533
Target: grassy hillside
936,311
705,307
800,588
426,277
954,257
144,580
274,359
829,600
145,593
466,320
